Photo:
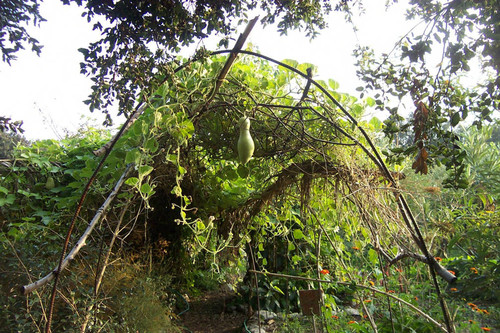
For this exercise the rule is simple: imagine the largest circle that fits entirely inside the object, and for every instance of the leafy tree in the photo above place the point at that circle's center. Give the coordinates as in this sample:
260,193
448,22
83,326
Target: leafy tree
458,33
6,124
139,39
13,34
13,37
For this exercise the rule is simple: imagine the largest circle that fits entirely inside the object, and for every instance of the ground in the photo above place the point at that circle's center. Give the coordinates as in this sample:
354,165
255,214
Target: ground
210,313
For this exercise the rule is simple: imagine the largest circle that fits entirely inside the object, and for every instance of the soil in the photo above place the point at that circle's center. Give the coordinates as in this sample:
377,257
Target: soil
210,313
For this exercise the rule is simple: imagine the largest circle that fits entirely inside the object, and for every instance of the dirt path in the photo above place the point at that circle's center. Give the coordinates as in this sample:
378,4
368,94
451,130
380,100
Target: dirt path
208,313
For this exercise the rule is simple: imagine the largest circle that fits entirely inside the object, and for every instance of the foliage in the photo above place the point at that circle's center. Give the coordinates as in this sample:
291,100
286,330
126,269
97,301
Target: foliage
6,124
14,14
482,162
138,41
8,142
458,34
465,226
309,204
38,185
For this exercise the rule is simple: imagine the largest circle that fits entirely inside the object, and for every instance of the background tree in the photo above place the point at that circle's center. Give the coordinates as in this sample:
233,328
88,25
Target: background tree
140,38
424,69
14,15
6,124
8,142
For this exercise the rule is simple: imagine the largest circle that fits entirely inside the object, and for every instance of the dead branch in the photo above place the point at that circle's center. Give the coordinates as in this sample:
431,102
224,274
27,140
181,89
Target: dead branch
440,270
232,57
27,289
133,118
288,176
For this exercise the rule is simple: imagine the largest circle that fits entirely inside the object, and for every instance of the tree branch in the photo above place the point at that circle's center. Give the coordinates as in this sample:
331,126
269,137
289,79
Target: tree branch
440,270
133,118
27,289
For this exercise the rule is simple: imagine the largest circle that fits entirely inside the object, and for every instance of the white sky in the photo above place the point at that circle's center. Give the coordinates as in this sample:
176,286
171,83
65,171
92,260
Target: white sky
50,89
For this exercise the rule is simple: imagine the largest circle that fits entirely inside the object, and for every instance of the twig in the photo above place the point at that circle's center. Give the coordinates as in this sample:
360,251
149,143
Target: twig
100,274
232,57
256,285
132,119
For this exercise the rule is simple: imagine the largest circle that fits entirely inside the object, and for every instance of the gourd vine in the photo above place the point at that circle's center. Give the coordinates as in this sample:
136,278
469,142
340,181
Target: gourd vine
193,176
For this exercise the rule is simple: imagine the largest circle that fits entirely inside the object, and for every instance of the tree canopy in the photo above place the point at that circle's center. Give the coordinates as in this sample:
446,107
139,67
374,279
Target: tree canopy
425,68
140,38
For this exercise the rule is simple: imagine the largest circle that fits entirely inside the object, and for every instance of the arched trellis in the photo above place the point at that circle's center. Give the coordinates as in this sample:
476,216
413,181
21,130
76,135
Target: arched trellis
370,151
374,155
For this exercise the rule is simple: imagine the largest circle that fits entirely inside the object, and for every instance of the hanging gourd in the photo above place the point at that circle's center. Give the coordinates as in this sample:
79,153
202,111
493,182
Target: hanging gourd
49,184
245,142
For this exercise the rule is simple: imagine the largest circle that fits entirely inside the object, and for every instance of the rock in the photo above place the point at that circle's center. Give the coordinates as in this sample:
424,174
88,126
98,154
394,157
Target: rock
294,315
266,319
266,315
227,288
352,312
254,328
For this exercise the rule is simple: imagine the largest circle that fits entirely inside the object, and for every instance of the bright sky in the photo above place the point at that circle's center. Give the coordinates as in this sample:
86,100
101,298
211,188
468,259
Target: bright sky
47,92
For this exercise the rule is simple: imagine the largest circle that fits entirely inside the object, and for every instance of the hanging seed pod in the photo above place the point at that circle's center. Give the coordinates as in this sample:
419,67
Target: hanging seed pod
245,142
49,184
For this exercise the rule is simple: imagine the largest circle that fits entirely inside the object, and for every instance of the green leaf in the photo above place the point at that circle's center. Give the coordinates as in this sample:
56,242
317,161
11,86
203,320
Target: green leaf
243,171
372,256
278,290
171,158
370,101
145,170
376,123
333,84
455,119
152,145
146,189
133,156
291,63
357,110
303,67
230,173
200,225
132,181
297,234
9,200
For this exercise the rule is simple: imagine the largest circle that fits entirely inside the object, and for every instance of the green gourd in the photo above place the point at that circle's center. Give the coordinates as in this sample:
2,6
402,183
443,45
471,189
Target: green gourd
245,142
49,185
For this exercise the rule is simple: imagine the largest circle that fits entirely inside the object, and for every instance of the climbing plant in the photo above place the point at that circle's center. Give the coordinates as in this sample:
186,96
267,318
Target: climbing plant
316,201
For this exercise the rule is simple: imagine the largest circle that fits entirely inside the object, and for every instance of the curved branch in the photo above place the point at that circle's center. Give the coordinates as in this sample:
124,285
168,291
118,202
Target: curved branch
406,213
443,272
